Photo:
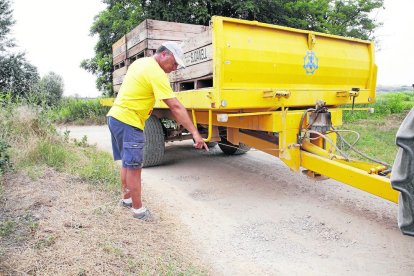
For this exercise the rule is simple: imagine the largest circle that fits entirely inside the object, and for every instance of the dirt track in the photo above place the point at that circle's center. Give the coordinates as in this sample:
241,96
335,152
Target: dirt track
250,215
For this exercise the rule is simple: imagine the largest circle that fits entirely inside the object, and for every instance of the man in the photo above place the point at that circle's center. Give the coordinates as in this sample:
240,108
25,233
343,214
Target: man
145,82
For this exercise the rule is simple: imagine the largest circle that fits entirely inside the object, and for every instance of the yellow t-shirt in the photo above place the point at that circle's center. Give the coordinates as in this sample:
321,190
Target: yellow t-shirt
144,83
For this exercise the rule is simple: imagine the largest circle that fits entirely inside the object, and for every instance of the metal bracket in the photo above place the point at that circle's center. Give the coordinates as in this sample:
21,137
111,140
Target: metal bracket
276,94
311,41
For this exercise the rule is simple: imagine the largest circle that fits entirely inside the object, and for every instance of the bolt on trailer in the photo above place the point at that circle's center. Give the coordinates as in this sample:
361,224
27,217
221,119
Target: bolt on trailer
277,89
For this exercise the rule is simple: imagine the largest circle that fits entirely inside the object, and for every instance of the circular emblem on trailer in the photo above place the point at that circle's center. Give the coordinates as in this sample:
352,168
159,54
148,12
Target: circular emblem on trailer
310,62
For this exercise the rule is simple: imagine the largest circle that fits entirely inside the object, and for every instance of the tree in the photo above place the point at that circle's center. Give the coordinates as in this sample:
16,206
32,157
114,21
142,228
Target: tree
111,24
340,17
6,22
49,89
17,75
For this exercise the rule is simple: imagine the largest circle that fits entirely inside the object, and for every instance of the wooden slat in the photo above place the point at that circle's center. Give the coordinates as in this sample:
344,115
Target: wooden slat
120,72
117,80
118,51
197,41
138,29
154,44
119,47
120,42
137,38
118,59
199,55
137,48
168,35
192,72
174,26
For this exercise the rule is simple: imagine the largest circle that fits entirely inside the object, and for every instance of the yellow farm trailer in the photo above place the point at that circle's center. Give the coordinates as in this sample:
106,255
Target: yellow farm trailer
277,89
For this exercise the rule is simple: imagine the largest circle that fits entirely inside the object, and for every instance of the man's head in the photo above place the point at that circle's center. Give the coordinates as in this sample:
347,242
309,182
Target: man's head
169,56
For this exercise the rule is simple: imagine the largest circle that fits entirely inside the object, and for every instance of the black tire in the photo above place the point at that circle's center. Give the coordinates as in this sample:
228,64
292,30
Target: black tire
154,143
230,149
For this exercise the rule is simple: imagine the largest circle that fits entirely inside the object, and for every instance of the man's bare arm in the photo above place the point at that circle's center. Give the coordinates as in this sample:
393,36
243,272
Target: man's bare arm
181,115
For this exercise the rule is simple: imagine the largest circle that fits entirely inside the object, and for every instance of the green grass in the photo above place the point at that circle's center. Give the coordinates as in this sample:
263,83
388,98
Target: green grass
378,130
385,105
7,227
99,170
78,111
30,141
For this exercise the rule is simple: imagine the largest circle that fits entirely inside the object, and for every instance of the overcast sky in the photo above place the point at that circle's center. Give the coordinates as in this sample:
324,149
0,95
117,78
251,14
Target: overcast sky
55,36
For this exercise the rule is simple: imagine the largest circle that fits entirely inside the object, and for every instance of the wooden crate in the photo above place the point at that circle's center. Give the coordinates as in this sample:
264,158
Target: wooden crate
119,52
118,77
198,55
144,39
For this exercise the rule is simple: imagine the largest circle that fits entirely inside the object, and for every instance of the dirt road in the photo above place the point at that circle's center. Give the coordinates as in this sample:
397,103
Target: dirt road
249,215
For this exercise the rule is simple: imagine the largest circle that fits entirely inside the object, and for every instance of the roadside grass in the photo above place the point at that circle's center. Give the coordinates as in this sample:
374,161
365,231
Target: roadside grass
30,146
32,142
78,112
385,105
378,129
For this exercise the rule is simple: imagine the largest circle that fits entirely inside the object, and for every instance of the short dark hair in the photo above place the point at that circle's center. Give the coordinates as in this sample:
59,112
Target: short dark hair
162,49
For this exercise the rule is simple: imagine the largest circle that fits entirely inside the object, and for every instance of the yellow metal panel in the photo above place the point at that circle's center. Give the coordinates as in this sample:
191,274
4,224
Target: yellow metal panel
201,99
259,144
371,183
251,57
269,121
107,101
263,55
298,98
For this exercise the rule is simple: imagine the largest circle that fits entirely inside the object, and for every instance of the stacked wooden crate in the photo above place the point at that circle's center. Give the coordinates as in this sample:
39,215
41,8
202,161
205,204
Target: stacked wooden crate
143,40
198,55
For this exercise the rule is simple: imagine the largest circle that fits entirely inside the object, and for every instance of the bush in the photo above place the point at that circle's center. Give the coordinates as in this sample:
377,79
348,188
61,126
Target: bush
80,111
5,163
387,104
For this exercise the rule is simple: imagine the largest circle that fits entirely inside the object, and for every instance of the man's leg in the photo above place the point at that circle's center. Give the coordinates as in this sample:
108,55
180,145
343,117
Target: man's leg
125,193
133,181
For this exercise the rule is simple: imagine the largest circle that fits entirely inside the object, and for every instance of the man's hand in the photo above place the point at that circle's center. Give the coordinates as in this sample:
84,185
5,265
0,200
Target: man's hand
181,115
199,142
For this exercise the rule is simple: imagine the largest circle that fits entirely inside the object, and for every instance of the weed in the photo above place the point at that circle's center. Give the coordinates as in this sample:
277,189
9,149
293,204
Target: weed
51,153
7,227
66,134
45,242
5,162
82,143
100,169
111,248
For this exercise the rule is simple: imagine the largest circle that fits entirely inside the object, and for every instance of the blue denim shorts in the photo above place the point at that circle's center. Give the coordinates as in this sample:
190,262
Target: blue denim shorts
127,143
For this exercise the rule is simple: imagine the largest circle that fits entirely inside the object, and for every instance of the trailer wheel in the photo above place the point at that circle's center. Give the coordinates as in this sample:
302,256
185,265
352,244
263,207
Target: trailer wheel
402,175
230,149
154,142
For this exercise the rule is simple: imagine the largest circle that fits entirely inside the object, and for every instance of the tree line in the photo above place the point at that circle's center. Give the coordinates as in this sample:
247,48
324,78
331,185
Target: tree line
18,77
